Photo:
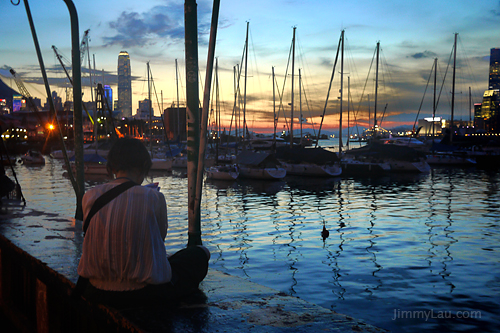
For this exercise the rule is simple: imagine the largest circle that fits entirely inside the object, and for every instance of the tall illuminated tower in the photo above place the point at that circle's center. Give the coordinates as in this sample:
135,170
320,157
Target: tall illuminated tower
124,84
494,69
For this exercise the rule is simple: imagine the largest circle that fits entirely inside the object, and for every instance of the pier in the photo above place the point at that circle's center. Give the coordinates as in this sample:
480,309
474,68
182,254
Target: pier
39,254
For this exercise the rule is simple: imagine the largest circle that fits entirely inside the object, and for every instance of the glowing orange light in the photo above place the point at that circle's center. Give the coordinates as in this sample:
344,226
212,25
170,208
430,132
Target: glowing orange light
50,127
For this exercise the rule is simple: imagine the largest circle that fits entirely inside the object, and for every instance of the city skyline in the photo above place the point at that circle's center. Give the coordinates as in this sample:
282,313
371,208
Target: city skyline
410,35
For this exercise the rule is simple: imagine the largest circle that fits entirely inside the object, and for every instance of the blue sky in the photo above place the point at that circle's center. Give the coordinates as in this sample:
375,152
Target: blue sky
411,35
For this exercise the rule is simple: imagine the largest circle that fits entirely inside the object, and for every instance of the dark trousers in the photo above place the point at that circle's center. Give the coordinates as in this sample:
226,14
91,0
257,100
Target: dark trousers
189,268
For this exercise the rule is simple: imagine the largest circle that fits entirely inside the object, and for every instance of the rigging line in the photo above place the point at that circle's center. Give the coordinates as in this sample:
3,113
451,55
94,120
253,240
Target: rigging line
469,67
425,91
280,106
329,88
444,78
255,60
309,109
156,94
366,83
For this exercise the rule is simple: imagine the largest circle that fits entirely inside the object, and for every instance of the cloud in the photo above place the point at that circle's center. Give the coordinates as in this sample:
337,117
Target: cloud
423,55
496,11
161,23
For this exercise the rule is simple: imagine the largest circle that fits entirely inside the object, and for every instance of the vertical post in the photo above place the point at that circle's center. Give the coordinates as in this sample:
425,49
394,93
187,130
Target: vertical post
193,117
195,232
178,111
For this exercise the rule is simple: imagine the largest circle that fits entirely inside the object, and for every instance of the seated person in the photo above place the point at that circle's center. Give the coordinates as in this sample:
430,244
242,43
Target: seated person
124,256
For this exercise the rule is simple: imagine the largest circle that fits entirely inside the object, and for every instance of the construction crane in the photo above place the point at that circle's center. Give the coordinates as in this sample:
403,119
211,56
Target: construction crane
84,45
26,95
59,57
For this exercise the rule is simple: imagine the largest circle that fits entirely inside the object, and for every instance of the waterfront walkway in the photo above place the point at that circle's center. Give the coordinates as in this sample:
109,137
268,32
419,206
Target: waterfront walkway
224,303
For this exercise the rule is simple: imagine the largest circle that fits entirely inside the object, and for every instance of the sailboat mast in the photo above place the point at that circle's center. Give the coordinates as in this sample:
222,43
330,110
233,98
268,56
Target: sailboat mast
274,114
236,119
376,90
348,109
453,87
293,75
245,131
150,111
341,92
470,107
434,103
300,106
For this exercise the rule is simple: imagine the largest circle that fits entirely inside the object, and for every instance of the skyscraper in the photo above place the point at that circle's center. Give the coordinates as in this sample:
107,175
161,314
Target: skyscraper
108,94
494,69
124,84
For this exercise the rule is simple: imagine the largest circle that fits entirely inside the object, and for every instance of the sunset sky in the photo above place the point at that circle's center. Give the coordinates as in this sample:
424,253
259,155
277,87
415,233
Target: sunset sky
411,35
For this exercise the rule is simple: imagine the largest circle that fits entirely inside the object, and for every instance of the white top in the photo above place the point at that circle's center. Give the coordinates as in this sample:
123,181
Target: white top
124,245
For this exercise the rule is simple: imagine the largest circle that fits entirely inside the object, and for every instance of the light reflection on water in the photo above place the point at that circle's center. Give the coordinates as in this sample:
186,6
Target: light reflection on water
399,243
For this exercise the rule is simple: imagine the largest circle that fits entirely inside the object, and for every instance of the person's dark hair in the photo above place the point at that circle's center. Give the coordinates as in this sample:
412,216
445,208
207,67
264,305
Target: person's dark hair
128,154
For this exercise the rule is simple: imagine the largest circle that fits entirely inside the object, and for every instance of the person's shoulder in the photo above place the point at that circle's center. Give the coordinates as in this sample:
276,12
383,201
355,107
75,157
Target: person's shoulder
148,190
97,190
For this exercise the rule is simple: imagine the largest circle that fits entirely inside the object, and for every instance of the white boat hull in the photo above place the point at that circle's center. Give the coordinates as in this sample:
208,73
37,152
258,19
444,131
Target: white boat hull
366,168
159,164
262,173
314,170
448,159
406,166
92,169
222,173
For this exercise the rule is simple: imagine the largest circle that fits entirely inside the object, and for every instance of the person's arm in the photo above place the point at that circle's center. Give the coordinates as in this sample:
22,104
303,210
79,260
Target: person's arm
162,217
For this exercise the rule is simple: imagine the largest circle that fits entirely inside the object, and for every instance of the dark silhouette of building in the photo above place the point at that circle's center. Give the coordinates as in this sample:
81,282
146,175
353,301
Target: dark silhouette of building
124,84
175,123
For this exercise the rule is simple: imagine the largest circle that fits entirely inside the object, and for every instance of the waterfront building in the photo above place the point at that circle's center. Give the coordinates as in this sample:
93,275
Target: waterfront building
124,84
143,110
494,82
487,117
431,126
108,95
58,105
175,123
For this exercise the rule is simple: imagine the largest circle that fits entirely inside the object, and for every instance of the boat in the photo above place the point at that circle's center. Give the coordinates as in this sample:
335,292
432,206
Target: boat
450,159
161,164
93,164
399,158
363,165
222,172
33,157
301,161
259,166
315,162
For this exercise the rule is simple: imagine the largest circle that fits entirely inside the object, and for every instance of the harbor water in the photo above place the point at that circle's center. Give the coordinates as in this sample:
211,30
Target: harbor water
407,252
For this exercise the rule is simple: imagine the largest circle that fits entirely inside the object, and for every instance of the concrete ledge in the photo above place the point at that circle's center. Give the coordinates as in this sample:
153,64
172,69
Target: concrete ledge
39,254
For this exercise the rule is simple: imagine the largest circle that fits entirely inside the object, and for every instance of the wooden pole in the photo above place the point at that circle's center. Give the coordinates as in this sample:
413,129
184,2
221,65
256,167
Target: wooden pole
193,117
195,235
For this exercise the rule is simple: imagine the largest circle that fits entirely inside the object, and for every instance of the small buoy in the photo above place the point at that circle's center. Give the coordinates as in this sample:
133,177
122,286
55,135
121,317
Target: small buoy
325,233
342,224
